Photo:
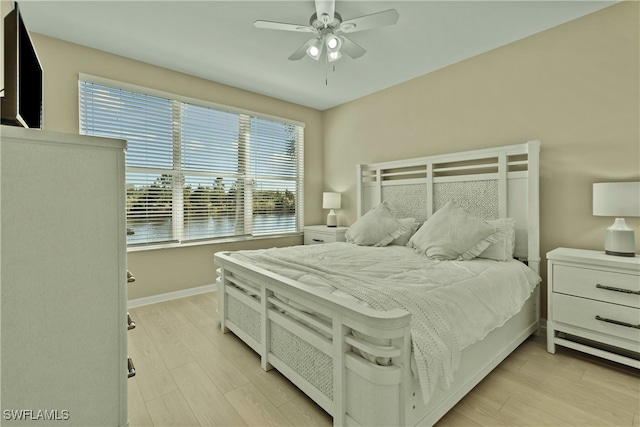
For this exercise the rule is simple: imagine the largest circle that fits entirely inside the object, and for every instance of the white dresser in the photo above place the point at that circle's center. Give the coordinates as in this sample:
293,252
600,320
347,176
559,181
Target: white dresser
594,304
63,279
316,234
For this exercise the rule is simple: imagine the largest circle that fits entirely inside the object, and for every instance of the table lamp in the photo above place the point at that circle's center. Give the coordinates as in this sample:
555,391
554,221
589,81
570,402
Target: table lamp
331,201
617,199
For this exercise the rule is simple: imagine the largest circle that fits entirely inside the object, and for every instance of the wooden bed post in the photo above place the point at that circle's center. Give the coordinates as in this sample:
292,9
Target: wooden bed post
503,191
222,304
533,223
339,380
265,331
359,191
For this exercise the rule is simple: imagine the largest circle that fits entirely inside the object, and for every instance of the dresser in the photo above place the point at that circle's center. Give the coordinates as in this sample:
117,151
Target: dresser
63,279
316,234
594,304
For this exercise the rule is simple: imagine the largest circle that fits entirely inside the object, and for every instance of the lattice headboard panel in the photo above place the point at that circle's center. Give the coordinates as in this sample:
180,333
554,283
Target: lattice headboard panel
407,201
490,183
477,197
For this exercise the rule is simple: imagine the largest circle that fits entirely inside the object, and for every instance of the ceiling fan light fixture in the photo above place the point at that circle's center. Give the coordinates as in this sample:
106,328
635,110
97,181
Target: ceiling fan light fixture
315,49
333,43
334,56
329,29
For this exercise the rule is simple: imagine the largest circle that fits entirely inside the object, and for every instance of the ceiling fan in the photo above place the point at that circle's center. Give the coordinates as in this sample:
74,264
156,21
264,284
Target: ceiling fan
329,31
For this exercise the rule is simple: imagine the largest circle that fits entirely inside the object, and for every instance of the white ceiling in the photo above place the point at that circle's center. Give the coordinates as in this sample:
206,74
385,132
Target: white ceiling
216,40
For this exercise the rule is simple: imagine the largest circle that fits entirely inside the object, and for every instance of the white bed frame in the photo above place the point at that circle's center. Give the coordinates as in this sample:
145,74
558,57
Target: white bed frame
492,183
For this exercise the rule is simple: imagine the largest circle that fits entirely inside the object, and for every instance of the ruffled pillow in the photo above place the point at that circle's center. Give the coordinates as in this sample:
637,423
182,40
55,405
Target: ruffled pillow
452,233
378,227
410,225
502,249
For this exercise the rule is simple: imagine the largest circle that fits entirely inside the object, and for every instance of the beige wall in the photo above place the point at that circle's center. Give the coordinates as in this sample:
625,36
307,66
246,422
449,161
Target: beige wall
169,270
574,87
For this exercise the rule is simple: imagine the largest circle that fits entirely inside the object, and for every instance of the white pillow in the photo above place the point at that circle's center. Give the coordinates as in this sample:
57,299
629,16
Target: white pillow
410,225
502,249
452,233
378,227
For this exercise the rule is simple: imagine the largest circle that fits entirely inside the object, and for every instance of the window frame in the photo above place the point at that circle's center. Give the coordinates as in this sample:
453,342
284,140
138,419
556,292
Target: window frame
178,173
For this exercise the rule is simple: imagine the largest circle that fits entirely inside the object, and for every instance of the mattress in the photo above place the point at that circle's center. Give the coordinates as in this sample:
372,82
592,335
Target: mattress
453,303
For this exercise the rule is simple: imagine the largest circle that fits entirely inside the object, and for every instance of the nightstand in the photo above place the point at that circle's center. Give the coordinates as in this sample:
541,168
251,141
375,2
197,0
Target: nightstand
315,234
593,304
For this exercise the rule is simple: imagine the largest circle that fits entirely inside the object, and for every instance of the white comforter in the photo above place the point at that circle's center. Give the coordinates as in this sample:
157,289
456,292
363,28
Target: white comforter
453,303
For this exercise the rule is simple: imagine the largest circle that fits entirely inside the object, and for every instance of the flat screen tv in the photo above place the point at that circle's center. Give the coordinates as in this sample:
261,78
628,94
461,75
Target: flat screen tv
22,101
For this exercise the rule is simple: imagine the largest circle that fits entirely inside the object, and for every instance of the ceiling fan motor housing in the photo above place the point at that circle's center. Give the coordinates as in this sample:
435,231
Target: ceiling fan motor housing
325,21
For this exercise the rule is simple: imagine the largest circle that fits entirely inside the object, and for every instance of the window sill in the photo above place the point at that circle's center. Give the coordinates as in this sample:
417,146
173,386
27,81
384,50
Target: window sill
153,247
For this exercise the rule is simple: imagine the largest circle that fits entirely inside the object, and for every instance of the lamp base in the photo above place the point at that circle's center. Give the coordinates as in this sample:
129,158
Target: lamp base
620,239
628,254
332,219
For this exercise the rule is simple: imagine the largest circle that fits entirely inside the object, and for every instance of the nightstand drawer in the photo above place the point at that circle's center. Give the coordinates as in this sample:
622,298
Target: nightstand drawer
582,312
317,234
618,288
313,238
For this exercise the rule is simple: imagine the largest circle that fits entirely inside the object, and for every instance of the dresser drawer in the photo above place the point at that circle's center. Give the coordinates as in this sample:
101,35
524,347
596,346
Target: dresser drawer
582,312
595,284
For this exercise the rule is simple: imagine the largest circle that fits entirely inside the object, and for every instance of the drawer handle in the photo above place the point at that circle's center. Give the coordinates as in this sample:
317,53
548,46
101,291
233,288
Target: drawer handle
318,240
611,288
617,322
130,368
130,323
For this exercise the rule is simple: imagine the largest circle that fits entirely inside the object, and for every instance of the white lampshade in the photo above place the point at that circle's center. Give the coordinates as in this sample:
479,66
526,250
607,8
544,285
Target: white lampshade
331,201
617,199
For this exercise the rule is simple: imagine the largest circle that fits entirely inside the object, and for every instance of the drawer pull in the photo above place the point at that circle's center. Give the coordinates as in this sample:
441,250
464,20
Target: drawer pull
611,288
130,368
617,322
130,323
318,240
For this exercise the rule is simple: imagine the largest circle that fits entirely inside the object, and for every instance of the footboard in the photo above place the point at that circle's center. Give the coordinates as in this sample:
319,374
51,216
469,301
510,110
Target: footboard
317,342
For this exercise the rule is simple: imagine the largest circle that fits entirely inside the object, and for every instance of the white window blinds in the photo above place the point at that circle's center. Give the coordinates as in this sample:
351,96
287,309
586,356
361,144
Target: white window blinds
197,172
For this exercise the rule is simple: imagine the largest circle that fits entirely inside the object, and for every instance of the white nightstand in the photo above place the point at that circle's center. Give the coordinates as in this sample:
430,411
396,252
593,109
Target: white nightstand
315,234
593,304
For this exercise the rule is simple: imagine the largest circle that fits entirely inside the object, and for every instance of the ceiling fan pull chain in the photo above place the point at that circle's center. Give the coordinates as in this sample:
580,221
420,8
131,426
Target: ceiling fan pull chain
326,71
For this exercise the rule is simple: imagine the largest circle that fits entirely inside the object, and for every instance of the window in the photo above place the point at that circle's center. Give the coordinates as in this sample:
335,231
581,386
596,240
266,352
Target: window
196,171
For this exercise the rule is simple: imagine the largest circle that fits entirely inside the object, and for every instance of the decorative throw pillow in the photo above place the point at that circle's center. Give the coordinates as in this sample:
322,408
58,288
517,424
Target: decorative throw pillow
452,233
410,225
378,227
502,249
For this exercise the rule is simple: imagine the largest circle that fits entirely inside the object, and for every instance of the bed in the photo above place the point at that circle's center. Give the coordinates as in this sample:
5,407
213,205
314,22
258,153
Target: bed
314,312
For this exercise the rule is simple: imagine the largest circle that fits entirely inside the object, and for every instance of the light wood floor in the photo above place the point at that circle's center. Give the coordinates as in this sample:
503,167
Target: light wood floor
190,374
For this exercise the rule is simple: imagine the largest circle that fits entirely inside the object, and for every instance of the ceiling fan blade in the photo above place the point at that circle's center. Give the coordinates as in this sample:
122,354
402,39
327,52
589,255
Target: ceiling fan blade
351,48
325,10
301,52
270,25
368,22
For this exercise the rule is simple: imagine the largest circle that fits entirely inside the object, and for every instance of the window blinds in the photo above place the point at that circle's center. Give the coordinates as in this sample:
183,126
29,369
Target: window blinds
196,172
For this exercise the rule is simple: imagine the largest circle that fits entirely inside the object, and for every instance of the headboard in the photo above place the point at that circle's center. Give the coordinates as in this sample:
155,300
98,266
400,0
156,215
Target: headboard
491,183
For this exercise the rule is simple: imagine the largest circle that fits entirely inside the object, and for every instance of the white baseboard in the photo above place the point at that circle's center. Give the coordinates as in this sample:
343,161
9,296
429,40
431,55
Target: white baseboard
138,302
